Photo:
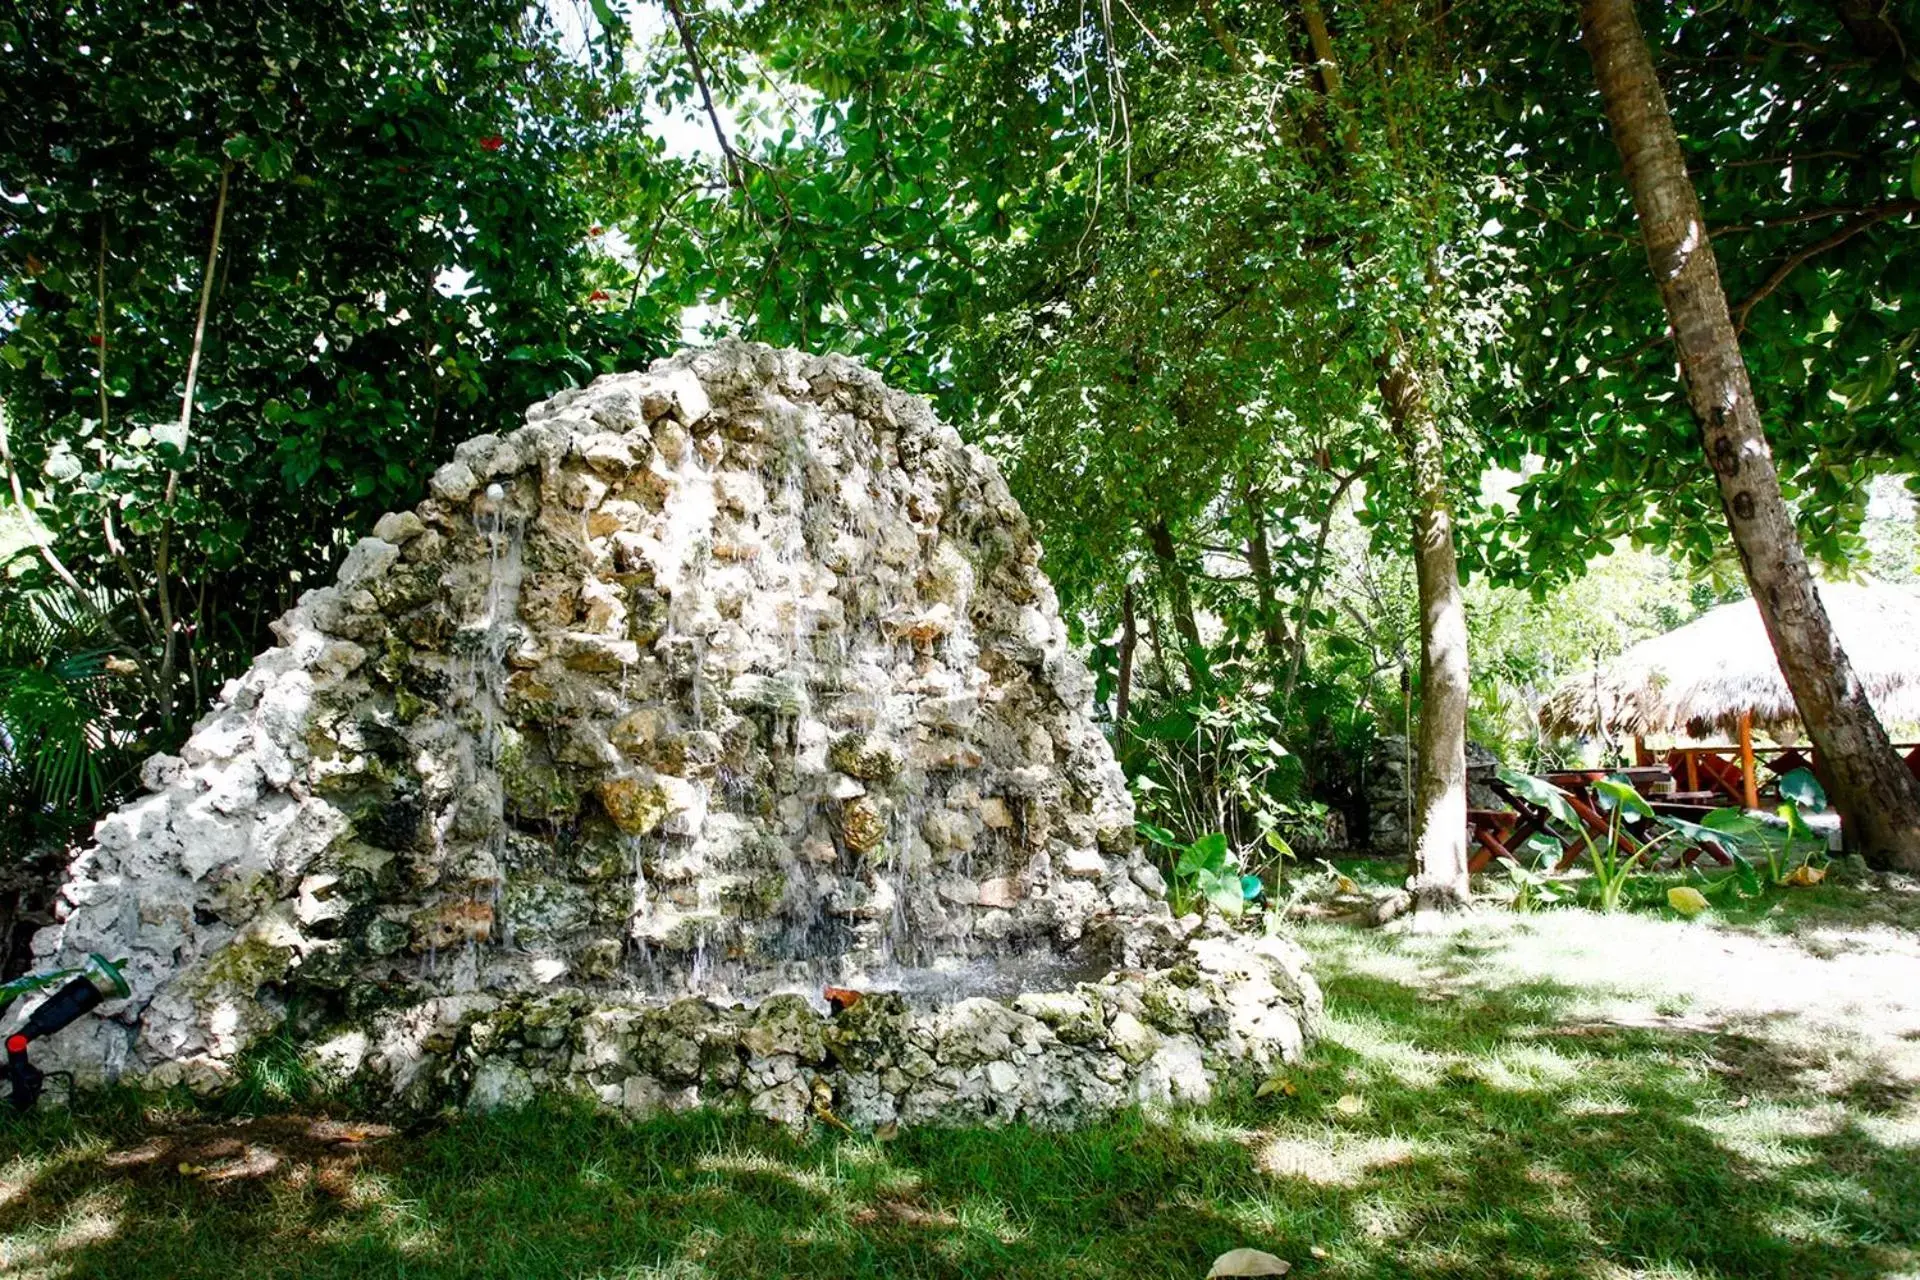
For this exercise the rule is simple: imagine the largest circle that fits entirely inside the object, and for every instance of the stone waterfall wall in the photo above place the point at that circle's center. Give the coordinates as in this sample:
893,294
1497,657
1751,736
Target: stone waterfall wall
733,678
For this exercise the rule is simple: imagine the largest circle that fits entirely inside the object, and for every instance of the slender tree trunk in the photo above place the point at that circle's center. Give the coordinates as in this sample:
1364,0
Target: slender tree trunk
1440,760
162,556
1179,592
1129,645
1303,621
1871,787
1273,628
1440,778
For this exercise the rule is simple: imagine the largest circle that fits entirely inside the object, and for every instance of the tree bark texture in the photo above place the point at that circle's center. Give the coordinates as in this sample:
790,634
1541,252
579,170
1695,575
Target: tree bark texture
1273,630
1872,788
1179,591
1440,759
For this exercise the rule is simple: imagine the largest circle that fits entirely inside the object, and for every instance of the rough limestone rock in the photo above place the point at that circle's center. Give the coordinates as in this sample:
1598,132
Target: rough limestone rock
707,687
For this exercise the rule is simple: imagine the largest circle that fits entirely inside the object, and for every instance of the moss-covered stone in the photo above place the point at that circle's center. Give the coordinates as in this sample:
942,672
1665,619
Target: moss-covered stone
866,757
785,1024
532,787
870,1033
636,805
754,897
263,953
647,615
386,937
861,824
543,910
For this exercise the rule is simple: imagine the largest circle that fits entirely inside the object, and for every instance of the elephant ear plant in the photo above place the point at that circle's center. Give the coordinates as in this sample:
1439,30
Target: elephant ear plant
1776,840
1206,871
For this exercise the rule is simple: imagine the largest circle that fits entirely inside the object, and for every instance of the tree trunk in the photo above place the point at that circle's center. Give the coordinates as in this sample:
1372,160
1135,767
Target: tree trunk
1179,592
1273,630
1440,769
1439,833
1872,789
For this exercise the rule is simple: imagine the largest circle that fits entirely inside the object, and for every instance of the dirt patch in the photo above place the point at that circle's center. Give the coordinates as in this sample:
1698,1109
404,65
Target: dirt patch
325,1150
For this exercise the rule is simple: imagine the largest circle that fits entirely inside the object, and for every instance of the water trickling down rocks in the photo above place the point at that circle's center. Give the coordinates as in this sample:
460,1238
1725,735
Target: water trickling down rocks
707,688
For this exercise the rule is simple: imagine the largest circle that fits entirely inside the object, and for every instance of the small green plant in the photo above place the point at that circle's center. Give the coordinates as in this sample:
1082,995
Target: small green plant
1531,889
1206,872
1747,838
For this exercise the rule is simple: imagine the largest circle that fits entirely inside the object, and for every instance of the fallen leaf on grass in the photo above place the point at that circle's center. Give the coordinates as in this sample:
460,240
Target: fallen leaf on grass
1687,900
1248,1262
1349,1104
1805,874
1276,1084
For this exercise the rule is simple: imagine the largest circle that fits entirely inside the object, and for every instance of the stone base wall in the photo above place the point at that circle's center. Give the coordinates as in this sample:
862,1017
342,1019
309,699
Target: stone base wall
1236,1009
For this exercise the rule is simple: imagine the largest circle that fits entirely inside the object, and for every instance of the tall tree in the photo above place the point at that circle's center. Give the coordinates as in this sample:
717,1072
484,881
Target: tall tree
1440,753
1871,787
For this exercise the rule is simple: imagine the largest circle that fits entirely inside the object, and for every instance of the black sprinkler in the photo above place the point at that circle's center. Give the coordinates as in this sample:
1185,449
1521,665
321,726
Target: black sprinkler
85,989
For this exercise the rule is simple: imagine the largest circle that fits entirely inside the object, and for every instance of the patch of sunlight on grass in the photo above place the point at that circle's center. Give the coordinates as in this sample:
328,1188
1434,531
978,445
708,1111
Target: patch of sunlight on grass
1198,1126
861,1154
679,1269
367,1191
1762,1131
16,1177
756,1162
1385,1052
1598,1103
1607,1270
407,1228
1901,1129
1525,1066
92,1219
1379,1218
1835,1191
1809,1225
989,1217
1337,1159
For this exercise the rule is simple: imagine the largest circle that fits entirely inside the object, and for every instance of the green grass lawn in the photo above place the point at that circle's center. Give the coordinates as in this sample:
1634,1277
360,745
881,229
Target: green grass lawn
1464,1116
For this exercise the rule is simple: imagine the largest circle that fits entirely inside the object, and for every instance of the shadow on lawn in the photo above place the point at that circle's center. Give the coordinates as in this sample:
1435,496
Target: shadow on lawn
1475,1135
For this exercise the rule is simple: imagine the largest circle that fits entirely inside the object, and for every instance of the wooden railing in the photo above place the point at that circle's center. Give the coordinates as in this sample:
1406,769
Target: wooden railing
1723,771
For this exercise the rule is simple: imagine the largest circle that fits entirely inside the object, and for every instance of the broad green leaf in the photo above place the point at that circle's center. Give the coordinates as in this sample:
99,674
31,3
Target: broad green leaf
1540,792
1159,835
1617,792
1804,790
1223,891
1208,853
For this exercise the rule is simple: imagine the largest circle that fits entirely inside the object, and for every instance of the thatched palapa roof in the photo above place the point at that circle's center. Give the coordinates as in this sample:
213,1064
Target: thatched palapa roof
1704,676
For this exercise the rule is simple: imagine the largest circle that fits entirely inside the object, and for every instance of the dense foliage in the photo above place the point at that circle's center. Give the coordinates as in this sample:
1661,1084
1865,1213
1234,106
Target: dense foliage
1797,121
404,199
375,229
